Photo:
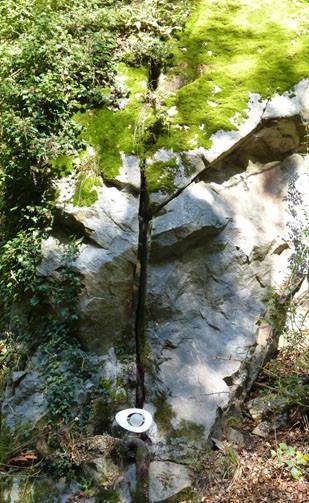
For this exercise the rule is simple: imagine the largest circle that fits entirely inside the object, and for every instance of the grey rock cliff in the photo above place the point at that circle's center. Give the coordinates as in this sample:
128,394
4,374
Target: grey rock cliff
106,265
208,290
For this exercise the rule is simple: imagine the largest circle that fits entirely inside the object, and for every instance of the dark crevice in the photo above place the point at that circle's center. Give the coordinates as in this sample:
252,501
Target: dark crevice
141,278
154,72
142,456
144,216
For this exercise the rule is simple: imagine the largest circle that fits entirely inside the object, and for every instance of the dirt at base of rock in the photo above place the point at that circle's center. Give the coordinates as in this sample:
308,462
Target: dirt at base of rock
249,468
258,477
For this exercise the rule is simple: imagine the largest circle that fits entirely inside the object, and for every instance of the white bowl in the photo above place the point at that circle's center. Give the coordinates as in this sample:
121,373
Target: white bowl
135,420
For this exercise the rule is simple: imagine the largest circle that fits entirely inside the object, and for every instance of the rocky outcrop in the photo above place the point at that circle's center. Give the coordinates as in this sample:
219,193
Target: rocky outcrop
106,265
212,255
210,278
167,480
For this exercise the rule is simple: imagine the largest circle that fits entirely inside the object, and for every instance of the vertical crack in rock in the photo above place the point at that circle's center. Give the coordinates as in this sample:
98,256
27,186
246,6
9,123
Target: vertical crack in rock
154,72
142,455
141,275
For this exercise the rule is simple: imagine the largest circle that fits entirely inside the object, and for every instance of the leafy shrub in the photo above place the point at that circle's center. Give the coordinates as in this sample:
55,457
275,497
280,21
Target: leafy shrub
294,460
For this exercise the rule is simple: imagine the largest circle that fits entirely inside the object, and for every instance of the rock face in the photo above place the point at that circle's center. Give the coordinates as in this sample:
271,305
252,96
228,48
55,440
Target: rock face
167,480
106,265
24,400
217,251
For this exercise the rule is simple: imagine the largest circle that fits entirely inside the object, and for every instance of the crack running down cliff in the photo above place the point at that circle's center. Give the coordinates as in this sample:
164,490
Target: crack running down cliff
141,273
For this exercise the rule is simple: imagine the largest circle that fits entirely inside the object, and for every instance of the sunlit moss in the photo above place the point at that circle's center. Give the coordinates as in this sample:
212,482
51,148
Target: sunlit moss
62,166
231,48
160,175
228,49
85,191
109,132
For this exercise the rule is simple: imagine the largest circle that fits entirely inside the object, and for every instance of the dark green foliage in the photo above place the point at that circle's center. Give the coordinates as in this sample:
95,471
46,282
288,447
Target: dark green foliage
64,364
54,58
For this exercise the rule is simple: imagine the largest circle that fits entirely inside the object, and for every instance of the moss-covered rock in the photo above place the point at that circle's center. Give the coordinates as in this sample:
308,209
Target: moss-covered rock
110,131
85,190
228,50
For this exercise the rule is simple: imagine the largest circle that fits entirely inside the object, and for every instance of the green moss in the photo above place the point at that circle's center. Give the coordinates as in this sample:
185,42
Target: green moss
109,132
107,496
112,398
160,175
85,192
164,414
62,166
106,385
189,430
228,49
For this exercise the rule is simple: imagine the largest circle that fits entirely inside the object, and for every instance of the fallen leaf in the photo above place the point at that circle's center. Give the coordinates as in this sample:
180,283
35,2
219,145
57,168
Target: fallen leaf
23,459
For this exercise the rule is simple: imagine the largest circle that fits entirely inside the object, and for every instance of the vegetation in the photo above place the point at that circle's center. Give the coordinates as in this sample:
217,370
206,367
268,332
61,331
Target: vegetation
161,175
295,460
83,82
228,50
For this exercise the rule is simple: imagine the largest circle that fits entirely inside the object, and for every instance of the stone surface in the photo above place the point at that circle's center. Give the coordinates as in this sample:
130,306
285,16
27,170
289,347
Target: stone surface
208,291
167,480
106,265
268,404
21,489
262,430
24,401
196,214
102,471
188,165
278,122
130,172
216,251
237,437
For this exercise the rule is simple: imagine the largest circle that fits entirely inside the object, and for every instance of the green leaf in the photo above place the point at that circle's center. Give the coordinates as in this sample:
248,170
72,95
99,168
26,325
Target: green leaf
283,446
296,474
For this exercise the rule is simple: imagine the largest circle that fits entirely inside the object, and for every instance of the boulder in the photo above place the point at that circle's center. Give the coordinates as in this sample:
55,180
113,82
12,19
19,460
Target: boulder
211,276
24,401
106,265
167,480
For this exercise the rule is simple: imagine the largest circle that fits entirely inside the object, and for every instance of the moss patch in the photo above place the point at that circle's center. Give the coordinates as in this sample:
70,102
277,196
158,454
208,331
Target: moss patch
62,166
85,192
164,414
109,132
189,430
228,49
160,175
